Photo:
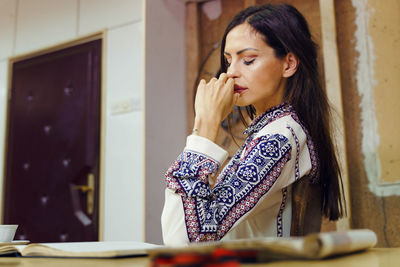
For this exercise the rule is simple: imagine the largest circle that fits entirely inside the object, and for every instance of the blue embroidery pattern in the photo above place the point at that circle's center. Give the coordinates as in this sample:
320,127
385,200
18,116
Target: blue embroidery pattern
189,174
269,116
279,219
213,206
277,112
210,213
192,209
314,172
297,169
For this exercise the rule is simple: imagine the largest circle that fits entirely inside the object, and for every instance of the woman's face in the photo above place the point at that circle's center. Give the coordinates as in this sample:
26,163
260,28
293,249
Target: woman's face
257,72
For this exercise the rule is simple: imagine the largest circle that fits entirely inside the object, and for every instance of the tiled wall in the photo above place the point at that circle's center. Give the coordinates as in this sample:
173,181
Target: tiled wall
27,25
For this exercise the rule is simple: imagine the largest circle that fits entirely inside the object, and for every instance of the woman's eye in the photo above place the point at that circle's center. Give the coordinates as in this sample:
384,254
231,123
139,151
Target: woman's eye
227,63
248,62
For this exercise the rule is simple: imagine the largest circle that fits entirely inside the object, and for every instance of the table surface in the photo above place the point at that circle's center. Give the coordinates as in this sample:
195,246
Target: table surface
377,257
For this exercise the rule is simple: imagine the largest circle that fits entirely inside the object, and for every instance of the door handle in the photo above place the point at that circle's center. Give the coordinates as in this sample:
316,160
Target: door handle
89,190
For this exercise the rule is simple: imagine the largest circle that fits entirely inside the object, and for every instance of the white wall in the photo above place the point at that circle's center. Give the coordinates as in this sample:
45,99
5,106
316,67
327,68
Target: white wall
28,25
3,102
165,101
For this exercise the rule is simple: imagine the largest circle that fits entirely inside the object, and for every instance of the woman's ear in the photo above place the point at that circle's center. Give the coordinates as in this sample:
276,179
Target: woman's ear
290,66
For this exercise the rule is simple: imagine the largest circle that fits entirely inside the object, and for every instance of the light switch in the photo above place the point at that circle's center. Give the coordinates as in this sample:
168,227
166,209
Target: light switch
125,106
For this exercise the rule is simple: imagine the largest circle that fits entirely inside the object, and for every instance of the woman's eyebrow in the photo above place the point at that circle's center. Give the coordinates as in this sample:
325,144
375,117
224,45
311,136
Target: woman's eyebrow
241,51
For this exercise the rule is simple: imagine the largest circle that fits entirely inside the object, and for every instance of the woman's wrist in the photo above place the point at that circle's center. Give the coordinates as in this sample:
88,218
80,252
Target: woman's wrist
207,129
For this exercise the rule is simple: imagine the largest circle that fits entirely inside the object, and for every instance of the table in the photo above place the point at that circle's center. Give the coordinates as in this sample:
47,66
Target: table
377,257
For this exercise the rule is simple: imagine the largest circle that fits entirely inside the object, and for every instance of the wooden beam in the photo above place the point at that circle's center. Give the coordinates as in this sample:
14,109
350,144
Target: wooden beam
248,3
192,58
334,91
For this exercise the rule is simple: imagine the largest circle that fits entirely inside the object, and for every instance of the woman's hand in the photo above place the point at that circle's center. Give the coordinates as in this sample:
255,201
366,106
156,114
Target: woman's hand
214,101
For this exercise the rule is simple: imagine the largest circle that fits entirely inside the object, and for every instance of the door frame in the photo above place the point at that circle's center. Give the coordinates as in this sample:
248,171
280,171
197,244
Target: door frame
101,35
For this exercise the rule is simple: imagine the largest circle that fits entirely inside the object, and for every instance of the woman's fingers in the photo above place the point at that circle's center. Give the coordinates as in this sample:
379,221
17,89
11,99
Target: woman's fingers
230,83
235,98
202,84
216,97
212,81
223,77
221,88
215,83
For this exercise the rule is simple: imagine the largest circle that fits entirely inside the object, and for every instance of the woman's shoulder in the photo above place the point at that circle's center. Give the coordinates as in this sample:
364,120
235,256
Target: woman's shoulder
286,125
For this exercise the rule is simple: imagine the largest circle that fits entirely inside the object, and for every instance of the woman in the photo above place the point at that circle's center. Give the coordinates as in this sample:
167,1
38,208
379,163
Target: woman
269,65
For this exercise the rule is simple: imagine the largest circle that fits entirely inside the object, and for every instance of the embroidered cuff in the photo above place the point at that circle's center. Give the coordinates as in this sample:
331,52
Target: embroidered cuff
205,146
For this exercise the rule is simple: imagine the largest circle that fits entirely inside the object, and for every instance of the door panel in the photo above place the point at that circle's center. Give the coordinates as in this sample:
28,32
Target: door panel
53,145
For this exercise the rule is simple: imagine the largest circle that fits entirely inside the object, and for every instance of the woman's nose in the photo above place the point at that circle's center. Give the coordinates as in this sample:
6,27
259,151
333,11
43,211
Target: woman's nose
232,71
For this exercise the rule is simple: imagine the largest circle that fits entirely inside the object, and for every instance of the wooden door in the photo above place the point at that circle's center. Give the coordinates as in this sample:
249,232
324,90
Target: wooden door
53,145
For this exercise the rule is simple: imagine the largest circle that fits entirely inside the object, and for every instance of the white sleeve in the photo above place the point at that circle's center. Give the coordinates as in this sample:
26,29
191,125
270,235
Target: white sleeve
173,217
173,220
207,147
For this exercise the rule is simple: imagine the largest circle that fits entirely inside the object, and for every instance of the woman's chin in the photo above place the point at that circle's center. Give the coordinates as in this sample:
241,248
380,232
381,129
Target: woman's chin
240,105
241,102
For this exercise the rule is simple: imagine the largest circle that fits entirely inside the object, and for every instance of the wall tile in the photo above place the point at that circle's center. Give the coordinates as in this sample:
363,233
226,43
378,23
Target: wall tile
7,26
96,15
125,62
42,23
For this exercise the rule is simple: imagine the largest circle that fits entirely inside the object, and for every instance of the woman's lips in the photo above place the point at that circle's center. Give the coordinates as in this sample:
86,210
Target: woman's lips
239,89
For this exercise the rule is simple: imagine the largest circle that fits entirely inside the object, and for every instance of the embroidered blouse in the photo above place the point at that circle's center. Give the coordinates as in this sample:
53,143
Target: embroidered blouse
252,194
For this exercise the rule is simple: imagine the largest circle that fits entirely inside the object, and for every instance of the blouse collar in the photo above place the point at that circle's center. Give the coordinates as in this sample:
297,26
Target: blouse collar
268,116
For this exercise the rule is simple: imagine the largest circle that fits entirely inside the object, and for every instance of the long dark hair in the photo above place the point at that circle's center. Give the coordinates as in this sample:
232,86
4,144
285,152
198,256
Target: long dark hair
285,30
